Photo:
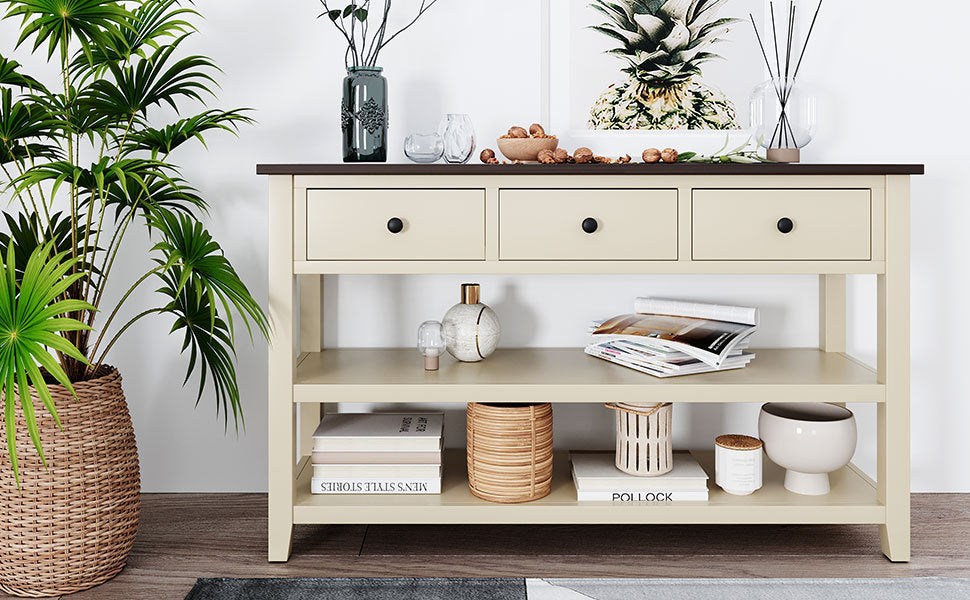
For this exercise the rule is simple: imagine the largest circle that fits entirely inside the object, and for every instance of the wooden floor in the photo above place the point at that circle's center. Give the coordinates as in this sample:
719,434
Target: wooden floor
183,537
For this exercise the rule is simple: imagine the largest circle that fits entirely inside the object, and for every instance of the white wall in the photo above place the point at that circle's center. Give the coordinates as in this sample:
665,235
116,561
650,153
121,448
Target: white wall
883,99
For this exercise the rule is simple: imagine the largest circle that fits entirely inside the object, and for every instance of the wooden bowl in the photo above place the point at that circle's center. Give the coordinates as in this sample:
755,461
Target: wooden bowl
526,149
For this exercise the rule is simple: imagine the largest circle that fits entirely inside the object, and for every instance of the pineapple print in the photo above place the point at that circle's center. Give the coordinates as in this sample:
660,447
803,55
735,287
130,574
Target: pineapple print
664,43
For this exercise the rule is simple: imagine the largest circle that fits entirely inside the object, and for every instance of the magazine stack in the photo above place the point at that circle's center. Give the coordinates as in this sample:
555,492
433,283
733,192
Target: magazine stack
377,454
667,338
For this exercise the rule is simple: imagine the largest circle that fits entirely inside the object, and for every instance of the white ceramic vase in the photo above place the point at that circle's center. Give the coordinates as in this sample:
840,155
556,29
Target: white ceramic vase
471,329
809,440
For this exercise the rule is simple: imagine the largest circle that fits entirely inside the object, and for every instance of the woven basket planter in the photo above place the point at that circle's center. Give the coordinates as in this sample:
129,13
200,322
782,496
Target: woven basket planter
509,449
72,525
644,439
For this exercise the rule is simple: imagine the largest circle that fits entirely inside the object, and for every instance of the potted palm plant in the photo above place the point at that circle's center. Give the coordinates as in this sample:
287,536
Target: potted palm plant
83,166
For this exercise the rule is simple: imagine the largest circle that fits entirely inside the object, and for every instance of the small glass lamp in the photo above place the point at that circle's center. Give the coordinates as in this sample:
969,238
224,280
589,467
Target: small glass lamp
431,344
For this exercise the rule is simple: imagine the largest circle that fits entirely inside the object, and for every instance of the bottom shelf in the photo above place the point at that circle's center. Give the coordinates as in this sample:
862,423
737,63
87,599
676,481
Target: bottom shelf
851,501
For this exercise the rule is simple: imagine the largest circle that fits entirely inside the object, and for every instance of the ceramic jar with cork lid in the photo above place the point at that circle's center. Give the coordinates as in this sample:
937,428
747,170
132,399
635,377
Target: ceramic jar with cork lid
738,463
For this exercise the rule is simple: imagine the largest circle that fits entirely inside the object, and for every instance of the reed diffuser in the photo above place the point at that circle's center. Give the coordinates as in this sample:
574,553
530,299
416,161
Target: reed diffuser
783,113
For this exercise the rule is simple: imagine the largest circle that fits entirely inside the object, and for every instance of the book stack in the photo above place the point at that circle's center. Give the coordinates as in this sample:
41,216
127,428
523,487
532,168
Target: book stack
377,454
667,338
598,480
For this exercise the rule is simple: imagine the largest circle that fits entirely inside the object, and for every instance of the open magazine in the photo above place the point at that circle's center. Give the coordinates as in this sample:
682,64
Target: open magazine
669,337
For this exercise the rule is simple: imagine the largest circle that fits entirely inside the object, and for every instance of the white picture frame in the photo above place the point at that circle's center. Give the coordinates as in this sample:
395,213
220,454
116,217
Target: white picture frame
559,113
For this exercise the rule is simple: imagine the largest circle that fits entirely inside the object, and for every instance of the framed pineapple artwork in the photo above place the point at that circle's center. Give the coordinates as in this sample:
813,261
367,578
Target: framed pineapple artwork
622,75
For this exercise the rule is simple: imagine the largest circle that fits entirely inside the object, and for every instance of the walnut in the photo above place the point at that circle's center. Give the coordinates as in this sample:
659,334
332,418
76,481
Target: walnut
560,155
583,155
603,160
487,155
669,155
651,155
624,159
546,156
536,130
518,132
492,161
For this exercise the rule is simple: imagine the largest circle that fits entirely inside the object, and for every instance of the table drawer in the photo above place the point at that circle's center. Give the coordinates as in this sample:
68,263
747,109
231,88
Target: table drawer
354,224
630,224
750,224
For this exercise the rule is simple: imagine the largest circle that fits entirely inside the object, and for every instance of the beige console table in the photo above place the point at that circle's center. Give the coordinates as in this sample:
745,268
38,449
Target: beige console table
829,220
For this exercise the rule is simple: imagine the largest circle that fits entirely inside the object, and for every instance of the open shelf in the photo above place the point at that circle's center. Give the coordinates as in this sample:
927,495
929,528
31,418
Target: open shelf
569,375
851,501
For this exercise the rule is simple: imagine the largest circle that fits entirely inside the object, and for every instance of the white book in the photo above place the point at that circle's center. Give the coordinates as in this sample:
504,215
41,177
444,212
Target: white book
635,496
376,471
394,486
376,458
352,432
597,472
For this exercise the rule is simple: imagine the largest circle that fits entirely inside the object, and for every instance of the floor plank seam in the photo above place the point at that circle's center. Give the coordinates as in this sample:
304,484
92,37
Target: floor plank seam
363,540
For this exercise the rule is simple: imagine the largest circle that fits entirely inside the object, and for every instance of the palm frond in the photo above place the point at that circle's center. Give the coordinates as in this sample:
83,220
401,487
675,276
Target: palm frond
57,22
209,341
21,122
169,193
31,317
27,234
188,249
164,141
150,25
150,82
10,74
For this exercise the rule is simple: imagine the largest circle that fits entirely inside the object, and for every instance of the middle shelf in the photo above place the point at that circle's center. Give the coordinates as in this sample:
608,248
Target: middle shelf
569,375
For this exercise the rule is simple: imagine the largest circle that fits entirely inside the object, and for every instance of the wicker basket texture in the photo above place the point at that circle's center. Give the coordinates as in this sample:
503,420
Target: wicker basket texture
509,449
644,439
71,525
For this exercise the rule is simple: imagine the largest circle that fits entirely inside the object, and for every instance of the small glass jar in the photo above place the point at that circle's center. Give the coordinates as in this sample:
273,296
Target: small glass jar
783,118
424,148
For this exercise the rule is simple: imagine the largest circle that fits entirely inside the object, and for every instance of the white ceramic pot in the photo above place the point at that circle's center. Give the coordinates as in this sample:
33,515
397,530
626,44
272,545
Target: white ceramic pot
471,330
809,440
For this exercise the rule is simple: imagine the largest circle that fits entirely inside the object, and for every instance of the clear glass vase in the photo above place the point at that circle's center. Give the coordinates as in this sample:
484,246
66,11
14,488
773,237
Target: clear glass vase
783,118
424,148
363,115
459,137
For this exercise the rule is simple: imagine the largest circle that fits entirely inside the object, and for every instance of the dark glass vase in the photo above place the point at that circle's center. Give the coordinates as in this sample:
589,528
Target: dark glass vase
363,115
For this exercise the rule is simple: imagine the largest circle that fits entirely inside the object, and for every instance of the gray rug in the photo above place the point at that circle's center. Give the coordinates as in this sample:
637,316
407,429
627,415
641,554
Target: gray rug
580,589
749,589
363,588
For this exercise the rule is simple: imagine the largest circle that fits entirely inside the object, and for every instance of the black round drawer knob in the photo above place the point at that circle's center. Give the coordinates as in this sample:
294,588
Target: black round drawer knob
786,225
590,225
395,225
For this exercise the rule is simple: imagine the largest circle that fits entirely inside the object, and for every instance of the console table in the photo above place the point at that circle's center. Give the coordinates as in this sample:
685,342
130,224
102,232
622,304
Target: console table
829,220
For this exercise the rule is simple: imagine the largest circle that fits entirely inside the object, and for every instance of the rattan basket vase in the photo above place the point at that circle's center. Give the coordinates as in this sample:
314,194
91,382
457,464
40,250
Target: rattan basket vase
509,449
72,525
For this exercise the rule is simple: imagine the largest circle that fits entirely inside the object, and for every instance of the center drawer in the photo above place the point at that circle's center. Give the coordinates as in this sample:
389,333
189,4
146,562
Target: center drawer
581,224
401,224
